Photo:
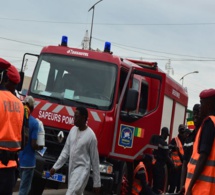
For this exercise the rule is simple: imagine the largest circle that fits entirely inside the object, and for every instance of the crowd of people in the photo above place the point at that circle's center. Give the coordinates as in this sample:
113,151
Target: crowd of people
169,162
18,141
185,165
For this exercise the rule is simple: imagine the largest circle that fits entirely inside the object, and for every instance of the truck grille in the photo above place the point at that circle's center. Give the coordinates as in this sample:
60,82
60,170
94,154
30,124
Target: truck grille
54,147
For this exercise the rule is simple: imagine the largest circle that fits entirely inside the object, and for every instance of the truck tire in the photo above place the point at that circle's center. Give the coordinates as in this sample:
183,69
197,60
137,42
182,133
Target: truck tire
124,185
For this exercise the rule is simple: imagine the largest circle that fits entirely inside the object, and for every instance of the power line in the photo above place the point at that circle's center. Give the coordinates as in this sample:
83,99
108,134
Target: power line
117,44
126,48
21,42
192,60
172,59
122,24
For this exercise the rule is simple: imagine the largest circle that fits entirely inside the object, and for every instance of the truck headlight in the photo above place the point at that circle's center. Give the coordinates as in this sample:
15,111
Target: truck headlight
108,169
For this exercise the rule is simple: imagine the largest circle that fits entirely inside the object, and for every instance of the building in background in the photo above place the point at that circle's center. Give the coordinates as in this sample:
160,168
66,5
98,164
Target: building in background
26,84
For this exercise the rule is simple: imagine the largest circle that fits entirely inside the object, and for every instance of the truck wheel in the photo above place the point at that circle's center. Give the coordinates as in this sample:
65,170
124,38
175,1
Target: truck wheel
124,186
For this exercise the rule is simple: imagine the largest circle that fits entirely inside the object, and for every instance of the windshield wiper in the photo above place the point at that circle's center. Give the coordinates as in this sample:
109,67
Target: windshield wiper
65,101
82,103
44,97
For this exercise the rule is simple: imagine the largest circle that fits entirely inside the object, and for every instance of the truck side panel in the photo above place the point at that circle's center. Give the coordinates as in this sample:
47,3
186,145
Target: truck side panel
167,112
172,116
178,118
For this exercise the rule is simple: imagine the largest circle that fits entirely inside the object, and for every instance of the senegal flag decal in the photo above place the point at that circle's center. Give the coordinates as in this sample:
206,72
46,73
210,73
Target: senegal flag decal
139,132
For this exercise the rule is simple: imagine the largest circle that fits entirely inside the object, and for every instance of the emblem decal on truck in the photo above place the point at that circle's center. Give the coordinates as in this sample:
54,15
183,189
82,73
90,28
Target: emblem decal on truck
126,136
70,51
60,136
175,93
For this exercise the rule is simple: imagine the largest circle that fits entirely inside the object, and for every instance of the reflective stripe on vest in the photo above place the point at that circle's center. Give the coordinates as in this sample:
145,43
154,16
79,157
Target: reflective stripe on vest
136,186
175,157
163,147
203,178
188,144
10,144
208,163
206,181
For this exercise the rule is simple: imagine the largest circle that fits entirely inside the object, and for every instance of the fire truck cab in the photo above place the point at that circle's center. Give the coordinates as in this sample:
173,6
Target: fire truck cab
128,101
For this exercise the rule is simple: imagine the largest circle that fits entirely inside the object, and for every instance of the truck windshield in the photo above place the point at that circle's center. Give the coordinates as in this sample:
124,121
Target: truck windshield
73,81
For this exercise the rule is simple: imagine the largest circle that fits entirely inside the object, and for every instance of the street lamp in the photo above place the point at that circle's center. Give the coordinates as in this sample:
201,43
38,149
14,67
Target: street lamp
182,78
93,7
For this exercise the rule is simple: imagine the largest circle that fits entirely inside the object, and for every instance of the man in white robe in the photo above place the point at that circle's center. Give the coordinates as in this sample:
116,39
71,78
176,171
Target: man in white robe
81,149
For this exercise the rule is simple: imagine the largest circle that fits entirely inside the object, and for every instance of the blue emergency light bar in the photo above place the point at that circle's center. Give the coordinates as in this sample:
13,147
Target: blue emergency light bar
107,47
64,41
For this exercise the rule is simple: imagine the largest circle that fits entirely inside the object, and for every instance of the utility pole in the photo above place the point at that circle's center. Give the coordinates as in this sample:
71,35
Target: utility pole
93,7
85,42
169,68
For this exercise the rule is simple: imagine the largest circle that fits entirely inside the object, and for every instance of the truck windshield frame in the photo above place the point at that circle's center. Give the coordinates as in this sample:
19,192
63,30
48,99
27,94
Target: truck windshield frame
74,81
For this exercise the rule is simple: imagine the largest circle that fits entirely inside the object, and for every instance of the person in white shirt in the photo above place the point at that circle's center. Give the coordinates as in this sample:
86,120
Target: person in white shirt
82,151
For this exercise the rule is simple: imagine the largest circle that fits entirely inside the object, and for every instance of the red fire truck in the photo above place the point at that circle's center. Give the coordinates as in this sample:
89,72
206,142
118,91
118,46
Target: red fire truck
128,101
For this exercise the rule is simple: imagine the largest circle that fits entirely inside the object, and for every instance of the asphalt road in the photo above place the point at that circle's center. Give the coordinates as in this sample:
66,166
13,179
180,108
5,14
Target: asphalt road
56,192
49,191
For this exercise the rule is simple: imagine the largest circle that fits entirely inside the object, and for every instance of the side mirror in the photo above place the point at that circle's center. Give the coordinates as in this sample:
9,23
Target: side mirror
131,100
19,86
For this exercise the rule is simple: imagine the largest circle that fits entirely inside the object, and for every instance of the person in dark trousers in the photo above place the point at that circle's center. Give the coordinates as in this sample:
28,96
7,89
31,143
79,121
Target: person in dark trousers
188,144
11,84
140,184
176,153
27,159
161,161
11,120
201,167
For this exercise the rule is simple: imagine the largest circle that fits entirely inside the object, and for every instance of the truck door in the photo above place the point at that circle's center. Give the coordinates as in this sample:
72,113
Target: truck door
139,112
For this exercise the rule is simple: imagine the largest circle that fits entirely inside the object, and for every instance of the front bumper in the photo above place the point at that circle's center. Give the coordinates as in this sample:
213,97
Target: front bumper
107,182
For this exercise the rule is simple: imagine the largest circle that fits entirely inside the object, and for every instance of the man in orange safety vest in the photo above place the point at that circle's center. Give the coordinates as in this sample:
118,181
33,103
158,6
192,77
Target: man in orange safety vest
140,184
176,153
11,120
200,178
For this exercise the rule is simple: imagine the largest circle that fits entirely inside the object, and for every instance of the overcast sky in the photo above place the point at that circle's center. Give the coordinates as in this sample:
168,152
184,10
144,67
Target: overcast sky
153,30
